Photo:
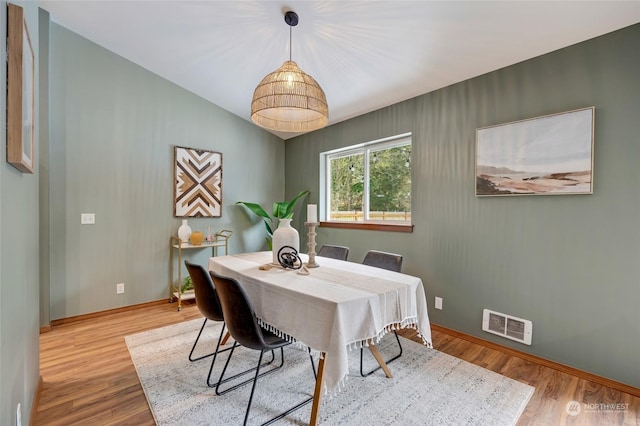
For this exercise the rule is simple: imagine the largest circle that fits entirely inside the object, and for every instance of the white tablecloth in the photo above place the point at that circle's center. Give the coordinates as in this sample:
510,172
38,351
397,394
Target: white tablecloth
335,308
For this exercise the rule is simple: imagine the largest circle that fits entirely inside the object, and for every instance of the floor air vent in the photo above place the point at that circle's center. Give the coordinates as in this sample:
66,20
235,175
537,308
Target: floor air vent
504,325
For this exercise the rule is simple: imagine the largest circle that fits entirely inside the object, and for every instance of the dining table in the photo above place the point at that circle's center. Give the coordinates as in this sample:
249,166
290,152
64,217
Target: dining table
333,308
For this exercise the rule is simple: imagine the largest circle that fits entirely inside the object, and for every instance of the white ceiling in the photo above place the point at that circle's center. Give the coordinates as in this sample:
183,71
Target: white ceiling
365,54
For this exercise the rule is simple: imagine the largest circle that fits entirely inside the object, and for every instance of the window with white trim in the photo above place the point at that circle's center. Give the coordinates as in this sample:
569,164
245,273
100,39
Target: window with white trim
368,183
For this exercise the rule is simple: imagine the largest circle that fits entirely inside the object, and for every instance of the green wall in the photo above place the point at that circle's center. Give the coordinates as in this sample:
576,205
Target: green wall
19,247
107,128
568,263
113,126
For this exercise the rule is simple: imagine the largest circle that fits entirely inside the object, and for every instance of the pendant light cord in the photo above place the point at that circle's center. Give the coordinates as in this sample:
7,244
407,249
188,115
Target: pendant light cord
291,18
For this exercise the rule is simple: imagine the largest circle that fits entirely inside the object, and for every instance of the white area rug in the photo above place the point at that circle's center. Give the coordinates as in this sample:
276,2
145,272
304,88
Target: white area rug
428,387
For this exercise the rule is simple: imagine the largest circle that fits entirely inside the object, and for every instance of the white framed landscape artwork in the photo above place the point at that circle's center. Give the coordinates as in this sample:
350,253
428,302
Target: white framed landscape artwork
549,155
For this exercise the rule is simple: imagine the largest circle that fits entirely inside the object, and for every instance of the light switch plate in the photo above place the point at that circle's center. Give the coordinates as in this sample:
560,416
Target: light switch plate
438,303
87,218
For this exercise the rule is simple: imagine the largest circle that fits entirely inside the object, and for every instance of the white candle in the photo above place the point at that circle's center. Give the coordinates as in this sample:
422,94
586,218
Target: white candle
312,213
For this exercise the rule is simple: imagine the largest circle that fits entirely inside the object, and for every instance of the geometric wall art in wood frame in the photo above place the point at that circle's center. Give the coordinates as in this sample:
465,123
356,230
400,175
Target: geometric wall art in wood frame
198,183
548,155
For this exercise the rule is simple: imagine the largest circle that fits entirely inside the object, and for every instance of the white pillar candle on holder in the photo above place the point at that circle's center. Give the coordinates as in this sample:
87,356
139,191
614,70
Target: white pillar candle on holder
312,213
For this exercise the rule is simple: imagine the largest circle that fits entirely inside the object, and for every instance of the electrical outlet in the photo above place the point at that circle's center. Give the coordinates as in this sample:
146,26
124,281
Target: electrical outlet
120,288
438,302
87,219
18,416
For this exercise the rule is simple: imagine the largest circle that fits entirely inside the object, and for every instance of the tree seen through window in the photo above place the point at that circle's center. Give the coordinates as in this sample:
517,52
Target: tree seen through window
382,184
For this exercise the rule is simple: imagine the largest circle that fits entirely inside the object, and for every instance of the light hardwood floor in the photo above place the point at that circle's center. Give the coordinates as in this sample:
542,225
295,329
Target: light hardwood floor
89,379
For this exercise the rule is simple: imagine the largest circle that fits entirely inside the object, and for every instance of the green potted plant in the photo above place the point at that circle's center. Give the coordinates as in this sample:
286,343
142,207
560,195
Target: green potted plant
281,210
187,284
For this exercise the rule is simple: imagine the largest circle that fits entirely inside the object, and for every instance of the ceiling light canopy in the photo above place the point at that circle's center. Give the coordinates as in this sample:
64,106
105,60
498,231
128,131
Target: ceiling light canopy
288,99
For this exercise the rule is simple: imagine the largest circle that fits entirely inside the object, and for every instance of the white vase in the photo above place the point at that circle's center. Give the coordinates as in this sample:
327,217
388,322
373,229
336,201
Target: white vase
184,232
284,235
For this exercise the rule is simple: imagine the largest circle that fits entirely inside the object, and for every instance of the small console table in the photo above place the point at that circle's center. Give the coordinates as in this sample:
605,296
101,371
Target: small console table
220,239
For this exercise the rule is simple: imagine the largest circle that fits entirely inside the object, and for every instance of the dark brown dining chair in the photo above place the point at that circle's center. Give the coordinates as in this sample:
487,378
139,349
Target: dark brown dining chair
384,260
207,303
243,325
391,262
334,252
209,306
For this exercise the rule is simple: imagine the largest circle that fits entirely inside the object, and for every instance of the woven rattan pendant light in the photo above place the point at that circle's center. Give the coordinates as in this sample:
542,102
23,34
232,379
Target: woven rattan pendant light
288,99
